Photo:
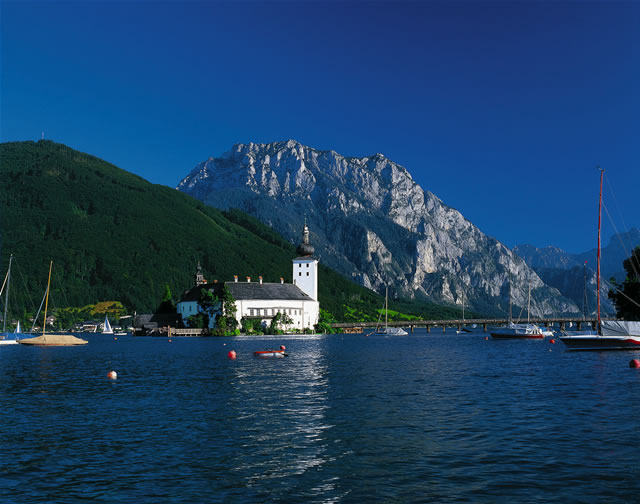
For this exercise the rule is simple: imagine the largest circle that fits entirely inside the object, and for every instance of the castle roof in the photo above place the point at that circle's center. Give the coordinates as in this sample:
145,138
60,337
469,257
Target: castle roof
250,290
270,291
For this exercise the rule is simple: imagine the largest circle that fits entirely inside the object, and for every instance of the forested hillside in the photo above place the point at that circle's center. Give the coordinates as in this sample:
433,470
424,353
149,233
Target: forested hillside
114,236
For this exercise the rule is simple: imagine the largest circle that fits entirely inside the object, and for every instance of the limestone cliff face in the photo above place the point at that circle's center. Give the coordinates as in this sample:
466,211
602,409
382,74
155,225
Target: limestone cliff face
371,221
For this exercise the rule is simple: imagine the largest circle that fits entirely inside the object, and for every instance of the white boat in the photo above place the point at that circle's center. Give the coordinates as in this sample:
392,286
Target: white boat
547,333
462,328
7,338
518,331
106,329
270,354
611,334
51,339
386,330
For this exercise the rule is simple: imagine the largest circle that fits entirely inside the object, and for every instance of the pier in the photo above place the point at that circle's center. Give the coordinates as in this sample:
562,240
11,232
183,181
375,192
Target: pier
561,322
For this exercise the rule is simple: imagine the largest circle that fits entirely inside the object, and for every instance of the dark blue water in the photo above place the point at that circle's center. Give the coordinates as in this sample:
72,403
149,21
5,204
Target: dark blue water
423,418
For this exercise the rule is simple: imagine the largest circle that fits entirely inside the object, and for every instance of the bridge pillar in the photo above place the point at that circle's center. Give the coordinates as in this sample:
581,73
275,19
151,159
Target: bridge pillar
444,328
484,327
562,326
428,328
579,325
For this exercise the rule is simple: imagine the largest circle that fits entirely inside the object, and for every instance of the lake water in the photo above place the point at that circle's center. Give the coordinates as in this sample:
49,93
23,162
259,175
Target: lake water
349,419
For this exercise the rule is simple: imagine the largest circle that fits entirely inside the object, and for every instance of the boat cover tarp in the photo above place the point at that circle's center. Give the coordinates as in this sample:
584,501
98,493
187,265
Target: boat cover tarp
53,340
620,328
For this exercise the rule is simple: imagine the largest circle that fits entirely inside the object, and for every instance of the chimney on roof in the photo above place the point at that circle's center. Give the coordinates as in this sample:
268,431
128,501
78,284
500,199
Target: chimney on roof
260,280
235,278
281,280
248,279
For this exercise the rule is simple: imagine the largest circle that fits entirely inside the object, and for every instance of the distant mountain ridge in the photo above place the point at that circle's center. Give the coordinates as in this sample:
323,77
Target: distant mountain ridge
369,219
613,254
565,272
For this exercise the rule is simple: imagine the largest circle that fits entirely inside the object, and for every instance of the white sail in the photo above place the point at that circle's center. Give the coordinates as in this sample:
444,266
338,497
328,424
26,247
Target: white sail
107,326
18,329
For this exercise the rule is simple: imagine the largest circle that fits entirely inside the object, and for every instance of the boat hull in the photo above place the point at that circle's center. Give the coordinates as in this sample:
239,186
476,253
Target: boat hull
53,340
270,354
596,342
516,336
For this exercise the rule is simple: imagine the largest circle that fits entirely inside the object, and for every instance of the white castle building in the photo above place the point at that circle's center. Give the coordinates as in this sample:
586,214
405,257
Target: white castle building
263,301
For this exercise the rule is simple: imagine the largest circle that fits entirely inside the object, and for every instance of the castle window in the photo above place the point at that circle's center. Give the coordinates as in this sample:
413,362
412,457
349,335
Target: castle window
307,265
307,273
300,274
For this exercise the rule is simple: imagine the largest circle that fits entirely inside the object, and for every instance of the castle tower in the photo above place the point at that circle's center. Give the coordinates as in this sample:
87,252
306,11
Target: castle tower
305,267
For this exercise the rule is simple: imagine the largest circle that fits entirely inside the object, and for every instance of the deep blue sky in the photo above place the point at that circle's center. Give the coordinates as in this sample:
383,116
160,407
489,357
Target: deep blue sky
501,109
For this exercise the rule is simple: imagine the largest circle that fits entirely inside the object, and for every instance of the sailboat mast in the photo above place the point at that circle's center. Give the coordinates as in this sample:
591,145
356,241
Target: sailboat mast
46,304
599,219
584,297
528,302
386,306
6,299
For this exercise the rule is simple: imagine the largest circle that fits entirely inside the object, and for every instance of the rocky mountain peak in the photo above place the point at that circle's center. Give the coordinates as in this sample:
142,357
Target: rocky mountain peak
372,222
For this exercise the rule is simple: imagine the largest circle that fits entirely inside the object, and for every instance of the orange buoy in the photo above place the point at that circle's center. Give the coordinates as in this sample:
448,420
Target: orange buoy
231,354
282,347
486,338
170,340
552,341
112,375
634,363
115,338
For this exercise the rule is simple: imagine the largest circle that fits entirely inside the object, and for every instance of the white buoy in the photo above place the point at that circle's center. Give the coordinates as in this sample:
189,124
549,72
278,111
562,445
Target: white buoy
112,375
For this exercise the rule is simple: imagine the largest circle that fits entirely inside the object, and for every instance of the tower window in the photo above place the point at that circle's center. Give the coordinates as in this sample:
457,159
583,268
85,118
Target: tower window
300,274
307,265
307,273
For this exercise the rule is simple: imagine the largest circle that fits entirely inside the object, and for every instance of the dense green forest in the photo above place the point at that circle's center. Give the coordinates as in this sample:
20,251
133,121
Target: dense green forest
114,236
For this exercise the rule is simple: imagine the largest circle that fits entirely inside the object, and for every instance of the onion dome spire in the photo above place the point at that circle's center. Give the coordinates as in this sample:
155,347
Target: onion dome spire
305,248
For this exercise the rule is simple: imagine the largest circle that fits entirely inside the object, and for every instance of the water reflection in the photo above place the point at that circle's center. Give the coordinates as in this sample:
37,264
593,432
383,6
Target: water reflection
278,407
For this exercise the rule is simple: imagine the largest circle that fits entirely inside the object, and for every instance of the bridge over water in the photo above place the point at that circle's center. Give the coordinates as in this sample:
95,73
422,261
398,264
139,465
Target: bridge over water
560,322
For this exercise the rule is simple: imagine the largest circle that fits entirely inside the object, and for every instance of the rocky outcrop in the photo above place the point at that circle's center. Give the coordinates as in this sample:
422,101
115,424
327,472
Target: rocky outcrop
372,222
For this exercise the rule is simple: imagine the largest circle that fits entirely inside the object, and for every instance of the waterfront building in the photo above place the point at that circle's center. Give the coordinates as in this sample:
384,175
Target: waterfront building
262,300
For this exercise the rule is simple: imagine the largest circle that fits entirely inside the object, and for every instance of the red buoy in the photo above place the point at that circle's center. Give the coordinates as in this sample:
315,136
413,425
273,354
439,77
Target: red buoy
635,363
282,347
552,341
112,375
486,338
231,354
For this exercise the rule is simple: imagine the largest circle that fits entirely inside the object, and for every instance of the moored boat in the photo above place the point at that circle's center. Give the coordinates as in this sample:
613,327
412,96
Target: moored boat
269,354
518,331
613,335
386,330
610,334
63,339
106,327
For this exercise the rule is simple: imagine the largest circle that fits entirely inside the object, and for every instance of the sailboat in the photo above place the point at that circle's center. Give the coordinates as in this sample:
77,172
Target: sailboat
463,329
7,338
107,326
518,331
52,339
610,334
386,330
